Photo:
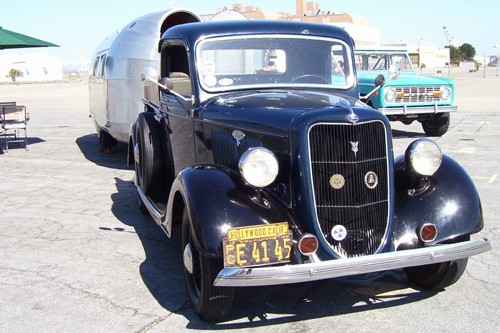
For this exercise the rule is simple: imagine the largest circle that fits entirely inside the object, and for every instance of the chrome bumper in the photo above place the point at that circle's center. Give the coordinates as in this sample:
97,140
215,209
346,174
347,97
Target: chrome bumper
271,275
407,110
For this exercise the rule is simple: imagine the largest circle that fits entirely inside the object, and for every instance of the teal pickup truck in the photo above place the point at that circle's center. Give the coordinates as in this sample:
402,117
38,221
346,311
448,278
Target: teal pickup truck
408,97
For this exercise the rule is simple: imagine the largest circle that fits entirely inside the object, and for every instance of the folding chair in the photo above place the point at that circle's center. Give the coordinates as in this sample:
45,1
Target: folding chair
14,119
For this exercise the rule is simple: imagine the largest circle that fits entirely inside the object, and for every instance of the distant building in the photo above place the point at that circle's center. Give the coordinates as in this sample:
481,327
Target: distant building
364,35
78,68
33,66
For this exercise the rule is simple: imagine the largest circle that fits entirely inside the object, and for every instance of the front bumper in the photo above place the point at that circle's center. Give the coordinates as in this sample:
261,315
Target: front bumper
272,275
408,110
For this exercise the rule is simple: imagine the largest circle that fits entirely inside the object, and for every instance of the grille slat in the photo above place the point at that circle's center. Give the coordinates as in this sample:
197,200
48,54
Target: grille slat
361,210
417,94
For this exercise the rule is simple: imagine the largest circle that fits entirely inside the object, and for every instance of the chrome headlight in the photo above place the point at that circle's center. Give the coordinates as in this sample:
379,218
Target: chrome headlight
390,95
423,157
445,92
258,166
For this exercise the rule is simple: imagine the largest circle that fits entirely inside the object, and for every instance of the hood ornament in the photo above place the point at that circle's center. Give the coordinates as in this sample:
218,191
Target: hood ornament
354,147
352,117
238,136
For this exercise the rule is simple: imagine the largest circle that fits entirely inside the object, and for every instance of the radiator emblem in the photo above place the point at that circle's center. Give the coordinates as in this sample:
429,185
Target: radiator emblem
371,180
337,181
354,147
339,232
238,136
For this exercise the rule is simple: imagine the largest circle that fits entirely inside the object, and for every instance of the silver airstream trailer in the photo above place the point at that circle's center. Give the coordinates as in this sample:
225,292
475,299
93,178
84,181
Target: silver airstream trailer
115,88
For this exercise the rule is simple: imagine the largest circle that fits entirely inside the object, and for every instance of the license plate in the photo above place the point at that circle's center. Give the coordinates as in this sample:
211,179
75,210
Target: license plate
257,245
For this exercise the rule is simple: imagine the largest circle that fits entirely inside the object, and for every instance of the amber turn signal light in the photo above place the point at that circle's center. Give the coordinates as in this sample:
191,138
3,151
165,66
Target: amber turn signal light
428,232
308,244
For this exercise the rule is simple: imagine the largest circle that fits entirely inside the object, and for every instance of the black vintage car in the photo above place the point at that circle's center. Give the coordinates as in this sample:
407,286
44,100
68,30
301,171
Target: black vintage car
254,145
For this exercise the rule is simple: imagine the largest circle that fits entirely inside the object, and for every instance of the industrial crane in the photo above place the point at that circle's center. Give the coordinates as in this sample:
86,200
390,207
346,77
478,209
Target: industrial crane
451,40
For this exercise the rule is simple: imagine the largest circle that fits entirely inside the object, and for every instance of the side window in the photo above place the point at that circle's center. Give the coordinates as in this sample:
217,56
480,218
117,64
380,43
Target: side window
96,66
98,69
176,67
102,63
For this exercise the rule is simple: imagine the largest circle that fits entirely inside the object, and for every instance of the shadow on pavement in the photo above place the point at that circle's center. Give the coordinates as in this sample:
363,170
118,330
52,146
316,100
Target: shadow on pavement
20,144
162,273
91,149
406,134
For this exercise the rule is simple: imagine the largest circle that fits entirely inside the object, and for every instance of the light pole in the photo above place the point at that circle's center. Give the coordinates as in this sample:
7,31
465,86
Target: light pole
497,45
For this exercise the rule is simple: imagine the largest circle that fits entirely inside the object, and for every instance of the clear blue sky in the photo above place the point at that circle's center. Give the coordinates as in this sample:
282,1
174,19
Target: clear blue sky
78,26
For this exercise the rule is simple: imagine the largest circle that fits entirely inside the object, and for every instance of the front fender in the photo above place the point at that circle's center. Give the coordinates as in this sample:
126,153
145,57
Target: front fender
217,199
450,201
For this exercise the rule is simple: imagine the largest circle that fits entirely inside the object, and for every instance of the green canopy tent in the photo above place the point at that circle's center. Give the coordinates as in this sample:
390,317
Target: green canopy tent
13,40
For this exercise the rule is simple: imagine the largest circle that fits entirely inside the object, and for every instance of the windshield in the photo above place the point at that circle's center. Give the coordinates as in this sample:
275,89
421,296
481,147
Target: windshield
382,61
273,60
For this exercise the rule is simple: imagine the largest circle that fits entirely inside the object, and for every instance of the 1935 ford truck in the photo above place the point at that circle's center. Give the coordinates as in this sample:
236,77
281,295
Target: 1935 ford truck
253,144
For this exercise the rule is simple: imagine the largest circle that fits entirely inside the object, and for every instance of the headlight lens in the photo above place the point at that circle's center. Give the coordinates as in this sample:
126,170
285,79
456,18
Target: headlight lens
258,166
390,95
423,157
445,93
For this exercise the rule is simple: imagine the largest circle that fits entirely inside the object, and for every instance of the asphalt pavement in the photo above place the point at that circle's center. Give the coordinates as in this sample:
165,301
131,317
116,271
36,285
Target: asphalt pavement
78,256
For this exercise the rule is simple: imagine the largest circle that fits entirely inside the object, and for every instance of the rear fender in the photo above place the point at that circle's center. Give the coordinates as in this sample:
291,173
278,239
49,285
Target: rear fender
450,201
217,199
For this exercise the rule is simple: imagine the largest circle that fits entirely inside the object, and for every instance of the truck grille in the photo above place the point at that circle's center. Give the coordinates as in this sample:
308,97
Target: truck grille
418,94
359,205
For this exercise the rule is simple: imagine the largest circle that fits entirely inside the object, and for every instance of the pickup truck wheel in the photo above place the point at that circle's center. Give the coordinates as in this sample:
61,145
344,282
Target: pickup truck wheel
211,303
437,276
438,125
148,165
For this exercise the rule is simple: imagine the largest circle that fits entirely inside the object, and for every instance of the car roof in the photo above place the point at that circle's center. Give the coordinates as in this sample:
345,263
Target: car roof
201,30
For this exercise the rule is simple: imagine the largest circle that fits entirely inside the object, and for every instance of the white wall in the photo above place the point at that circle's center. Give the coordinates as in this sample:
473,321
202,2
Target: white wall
35,67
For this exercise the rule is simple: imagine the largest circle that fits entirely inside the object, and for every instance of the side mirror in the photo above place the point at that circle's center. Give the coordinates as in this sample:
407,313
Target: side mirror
379,80
149,76
394,71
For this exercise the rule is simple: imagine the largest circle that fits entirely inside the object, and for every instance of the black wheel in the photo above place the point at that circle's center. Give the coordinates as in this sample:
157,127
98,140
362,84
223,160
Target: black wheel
438,125
148,165
437,276
211,303
107,142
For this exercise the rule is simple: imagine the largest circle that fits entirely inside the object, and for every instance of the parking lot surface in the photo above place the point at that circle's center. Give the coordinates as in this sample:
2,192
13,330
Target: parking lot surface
78,256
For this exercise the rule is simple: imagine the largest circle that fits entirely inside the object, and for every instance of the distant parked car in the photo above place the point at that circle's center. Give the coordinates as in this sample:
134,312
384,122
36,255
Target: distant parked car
410,97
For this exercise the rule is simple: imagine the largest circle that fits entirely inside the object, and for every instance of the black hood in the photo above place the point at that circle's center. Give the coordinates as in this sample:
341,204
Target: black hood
270,110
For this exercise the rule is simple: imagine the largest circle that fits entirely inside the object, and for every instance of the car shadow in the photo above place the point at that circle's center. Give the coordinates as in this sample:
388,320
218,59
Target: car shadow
162,273
398,134
91,150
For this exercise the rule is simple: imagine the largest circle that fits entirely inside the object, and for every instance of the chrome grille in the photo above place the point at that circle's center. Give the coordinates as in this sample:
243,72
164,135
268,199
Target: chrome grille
361,210
417,94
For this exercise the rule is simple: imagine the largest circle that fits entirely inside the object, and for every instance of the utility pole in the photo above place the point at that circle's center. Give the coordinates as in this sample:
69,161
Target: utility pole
450,41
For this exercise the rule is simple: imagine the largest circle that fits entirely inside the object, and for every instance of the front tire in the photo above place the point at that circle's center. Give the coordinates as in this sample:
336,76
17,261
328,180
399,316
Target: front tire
437,276
211,303
437,125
